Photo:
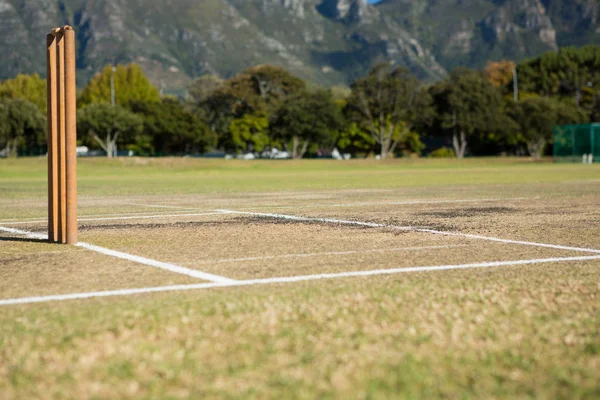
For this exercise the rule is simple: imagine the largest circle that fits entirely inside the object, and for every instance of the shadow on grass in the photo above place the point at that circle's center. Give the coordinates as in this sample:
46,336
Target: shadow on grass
28,240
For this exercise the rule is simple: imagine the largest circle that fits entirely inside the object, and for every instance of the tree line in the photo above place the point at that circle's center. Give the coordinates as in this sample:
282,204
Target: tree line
387,113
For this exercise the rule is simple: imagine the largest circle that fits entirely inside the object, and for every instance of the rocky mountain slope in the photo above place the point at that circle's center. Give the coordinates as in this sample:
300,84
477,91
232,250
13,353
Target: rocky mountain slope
325,41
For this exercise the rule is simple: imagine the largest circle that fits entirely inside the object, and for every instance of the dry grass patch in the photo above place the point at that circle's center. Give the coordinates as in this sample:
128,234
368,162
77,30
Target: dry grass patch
35,268
497,333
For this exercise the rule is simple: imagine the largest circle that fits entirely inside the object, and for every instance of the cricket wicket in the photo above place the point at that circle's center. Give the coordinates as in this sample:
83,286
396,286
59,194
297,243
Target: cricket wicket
62,136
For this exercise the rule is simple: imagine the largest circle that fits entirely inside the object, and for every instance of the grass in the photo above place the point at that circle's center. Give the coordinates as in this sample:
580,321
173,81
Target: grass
520,331
155,176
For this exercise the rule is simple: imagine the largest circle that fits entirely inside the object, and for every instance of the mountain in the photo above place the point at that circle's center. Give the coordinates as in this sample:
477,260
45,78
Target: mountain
324,41
470,32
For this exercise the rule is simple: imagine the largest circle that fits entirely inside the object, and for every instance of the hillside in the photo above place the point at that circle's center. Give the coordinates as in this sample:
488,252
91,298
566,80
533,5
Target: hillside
325,41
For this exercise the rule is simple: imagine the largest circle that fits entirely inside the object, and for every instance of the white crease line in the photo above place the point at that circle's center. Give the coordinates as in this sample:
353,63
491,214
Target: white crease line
290,279
130,257
30,235
326,220
23,221
394,203
159,206
124,218
332,253
126,214
410,228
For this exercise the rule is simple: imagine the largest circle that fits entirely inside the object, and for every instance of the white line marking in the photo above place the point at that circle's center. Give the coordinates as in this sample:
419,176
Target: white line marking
22,221
153,216
130,257
410,228
126,214
158,264
332,253
326,220
129,292
123,218
25,221
159,206
30,235
392,202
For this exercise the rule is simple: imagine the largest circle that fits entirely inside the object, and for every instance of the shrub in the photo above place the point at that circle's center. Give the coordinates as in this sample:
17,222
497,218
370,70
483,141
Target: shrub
442,152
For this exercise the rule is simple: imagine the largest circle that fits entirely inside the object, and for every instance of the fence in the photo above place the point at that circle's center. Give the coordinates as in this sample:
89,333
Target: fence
572,142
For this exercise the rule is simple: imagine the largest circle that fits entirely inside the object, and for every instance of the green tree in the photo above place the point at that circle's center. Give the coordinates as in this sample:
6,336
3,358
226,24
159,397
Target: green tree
353,139
204,87
21,123
258,90
130,85
567,73
468,107
535,118
106,124
28,87
308,117
386,103
264,87
170,129
216,110
250,132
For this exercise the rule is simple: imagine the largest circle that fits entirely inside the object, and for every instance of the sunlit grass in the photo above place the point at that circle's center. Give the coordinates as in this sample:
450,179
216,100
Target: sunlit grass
511,332
27,177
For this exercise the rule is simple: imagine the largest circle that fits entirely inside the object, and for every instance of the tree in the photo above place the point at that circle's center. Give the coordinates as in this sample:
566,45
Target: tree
386,103
468,105
258,90
21,123
536,116
204,87
308,117
170,129
563,73
106,124
28,87
499,73
250,132
352,139
130,85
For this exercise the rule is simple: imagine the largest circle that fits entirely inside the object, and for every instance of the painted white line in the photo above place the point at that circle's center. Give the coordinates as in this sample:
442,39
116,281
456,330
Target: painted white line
509,241
123,218
290,279
158,264
153,216
130,257
308,219
30,235
393,202
34,220
411,228
125,214
331,253
159,206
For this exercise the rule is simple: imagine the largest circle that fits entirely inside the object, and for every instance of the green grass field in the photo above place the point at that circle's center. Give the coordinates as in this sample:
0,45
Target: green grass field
189,176
526,327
